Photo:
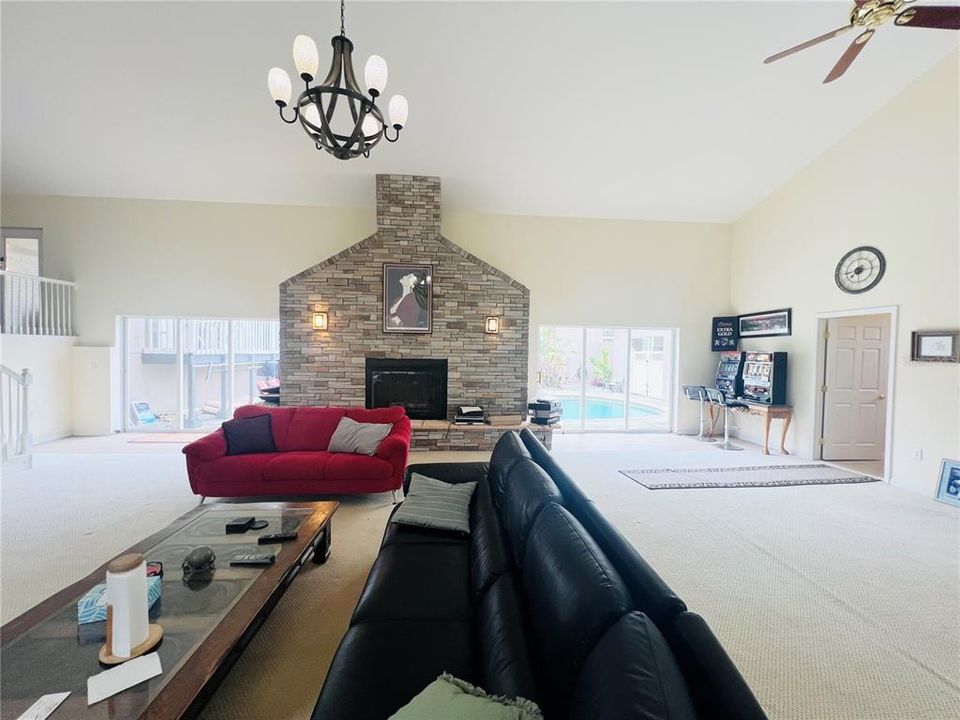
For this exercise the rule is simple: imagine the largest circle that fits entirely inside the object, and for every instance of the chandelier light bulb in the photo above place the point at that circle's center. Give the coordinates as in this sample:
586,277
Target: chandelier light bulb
306,57
375,75
371,126
279,83
398,111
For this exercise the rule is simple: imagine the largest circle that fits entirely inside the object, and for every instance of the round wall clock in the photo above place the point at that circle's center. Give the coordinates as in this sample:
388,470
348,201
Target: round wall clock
860,269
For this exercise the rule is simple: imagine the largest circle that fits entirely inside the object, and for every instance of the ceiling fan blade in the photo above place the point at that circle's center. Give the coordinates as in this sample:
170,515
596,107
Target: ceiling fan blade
930,16
808,43
846,60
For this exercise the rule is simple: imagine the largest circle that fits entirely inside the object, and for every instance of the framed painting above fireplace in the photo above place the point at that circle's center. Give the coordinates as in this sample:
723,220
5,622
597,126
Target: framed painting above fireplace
407,298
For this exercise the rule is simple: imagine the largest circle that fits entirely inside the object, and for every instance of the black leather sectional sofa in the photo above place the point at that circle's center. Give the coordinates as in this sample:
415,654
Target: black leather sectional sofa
544,599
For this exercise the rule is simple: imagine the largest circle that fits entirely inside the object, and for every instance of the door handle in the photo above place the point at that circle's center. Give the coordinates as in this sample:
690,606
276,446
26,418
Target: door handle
882,397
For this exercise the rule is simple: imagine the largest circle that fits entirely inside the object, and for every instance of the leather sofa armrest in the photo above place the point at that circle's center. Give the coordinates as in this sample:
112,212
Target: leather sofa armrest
209,447
448,472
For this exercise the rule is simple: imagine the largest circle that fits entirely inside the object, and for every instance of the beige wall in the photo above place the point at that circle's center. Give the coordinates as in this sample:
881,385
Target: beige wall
612,272
50,400
892,183
155,257
145,257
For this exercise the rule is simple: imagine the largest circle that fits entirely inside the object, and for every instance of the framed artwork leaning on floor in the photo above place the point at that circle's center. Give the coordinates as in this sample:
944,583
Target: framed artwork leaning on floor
948,491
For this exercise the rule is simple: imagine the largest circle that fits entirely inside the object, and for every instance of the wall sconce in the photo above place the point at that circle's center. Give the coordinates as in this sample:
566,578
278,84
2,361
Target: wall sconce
319,321
491,324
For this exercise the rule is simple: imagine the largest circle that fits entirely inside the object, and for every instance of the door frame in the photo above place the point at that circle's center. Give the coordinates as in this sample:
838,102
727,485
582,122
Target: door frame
821,355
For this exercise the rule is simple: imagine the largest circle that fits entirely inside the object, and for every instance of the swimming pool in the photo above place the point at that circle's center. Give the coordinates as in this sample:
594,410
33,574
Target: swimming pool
604,409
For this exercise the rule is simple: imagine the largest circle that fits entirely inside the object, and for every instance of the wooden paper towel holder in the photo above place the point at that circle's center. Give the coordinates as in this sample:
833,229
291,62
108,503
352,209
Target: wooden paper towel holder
106,656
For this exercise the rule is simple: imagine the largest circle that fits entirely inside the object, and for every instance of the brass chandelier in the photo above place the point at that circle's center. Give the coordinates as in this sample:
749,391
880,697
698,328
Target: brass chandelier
343,135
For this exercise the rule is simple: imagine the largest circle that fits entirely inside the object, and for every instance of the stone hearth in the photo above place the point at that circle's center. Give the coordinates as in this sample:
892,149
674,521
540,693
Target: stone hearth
328,367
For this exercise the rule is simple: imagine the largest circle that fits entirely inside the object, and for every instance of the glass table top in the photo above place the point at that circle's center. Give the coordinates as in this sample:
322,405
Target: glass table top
58,655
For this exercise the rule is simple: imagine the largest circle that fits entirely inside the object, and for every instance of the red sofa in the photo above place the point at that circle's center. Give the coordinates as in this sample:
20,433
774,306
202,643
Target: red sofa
301,464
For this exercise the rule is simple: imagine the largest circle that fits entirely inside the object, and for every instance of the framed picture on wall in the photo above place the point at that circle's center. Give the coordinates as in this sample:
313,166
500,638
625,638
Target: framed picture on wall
935,346
407,298
948,491
767,324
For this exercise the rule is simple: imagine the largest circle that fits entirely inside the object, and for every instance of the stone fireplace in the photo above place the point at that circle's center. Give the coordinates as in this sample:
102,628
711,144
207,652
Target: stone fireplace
333,366
419,385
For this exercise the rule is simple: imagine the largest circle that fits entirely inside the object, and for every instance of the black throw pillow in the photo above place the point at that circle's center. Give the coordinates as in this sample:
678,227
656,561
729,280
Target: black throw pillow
249,435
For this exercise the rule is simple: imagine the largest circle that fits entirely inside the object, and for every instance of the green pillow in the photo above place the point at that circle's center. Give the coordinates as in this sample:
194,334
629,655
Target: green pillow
447,697
436,504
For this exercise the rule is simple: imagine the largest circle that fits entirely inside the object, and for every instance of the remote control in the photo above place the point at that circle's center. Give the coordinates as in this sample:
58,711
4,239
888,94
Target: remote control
252,559
280,537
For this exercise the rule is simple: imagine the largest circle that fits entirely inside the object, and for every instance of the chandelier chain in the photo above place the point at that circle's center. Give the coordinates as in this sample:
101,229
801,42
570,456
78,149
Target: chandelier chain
342,31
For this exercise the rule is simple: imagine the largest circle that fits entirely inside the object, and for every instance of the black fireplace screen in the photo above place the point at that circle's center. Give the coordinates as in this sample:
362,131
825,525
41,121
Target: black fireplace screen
420,386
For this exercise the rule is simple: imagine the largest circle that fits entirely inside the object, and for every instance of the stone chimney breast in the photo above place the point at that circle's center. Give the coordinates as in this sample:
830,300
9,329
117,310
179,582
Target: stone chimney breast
408,205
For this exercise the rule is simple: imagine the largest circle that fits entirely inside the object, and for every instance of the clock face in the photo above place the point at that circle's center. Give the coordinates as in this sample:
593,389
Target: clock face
860,269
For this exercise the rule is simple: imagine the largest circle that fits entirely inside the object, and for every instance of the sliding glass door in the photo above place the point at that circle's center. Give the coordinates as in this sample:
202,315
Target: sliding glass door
608,379
192,373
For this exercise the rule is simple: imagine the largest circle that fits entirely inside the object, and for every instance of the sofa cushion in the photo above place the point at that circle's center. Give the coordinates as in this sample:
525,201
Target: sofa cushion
280,419
297,466
502,654
247,436
489,553
399,534
573,594
357,437
380,666
417,581
436,504
528,489
506,452
312,427
631,673
341,466
237,468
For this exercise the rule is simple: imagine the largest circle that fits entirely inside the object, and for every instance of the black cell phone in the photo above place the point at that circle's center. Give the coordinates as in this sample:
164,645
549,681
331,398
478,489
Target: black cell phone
239,525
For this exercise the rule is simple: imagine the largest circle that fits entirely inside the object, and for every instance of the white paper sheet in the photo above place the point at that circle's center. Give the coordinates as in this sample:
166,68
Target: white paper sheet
133,672
43,707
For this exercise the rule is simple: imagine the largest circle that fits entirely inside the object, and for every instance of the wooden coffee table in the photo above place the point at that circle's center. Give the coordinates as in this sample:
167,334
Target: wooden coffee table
206,622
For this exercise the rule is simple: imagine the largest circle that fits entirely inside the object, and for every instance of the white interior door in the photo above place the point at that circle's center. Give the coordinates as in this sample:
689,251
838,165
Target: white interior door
855,401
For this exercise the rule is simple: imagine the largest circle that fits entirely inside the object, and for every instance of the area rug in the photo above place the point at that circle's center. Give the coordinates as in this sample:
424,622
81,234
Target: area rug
750,476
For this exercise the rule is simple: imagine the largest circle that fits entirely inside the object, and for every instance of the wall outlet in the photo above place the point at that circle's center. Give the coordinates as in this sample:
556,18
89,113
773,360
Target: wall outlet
918,454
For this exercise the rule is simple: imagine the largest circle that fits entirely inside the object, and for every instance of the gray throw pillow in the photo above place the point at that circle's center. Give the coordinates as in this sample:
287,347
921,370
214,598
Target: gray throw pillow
435,504
358,438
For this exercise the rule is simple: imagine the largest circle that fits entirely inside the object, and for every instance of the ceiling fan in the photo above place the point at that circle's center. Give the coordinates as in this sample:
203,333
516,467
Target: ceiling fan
871,14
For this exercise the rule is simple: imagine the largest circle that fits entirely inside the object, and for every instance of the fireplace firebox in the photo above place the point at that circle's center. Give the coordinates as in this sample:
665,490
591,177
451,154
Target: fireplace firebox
420,386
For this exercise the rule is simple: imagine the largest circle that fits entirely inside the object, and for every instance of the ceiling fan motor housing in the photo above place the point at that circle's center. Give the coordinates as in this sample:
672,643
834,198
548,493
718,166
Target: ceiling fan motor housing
874,13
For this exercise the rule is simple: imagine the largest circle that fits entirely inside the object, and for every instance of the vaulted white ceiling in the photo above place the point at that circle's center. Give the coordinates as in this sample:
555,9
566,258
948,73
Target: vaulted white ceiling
649,110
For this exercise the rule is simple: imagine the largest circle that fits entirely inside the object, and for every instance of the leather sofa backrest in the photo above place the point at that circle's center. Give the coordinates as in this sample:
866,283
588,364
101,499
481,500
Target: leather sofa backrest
504,663
650,593
631,673
527,490
718,689
506,452
573,595
489,552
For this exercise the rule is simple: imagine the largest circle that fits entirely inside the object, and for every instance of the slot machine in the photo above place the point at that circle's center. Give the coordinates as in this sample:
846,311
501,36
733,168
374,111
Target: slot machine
765,377
729,379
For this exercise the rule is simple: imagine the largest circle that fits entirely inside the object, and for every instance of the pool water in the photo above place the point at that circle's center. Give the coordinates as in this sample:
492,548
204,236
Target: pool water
603,409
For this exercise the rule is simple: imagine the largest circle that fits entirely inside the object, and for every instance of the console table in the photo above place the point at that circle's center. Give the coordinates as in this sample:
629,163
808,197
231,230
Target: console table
768,413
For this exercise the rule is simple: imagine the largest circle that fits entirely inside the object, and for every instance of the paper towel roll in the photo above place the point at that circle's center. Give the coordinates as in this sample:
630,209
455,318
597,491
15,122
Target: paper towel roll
127,593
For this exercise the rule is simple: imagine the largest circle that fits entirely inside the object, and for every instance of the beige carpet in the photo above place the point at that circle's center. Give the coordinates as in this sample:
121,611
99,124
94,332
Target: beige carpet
837,602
